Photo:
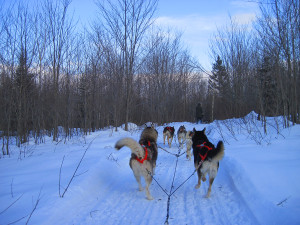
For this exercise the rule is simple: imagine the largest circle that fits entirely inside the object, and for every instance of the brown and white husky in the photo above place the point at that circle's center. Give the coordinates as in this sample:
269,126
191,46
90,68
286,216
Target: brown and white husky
143,156
168,133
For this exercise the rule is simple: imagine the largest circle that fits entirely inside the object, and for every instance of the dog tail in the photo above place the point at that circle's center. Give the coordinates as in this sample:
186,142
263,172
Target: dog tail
135,147
220,151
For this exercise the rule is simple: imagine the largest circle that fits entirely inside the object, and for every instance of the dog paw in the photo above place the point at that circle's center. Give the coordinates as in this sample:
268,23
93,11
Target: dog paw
141,189
197,186
150,198
207,195
203,179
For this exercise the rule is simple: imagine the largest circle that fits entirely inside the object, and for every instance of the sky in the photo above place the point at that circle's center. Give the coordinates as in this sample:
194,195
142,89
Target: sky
198,20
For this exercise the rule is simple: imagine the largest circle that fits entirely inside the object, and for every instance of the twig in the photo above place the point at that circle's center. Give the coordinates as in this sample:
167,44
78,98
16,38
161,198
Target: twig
60,176
17,220
11,188
11,204
112,158
81,173
78,167
284,200
34,208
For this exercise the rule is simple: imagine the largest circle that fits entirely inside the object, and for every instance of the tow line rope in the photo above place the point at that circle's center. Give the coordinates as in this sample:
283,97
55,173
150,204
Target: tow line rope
172,185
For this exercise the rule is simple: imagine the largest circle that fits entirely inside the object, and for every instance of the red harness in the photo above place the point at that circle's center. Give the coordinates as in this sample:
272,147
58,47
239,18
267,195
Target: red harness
146,154
204,146
170,129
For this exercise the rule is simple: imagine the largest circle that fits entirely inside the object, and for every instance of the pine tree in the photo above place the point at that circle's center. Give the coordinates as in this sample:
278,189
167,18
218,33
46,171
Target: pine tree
219,79
24,85
267,86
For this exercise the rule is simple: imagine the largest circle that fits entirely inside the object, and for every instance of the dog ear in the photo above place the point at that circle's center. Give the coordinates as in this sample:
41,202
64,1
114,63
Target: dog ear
194,130
204,130
152,125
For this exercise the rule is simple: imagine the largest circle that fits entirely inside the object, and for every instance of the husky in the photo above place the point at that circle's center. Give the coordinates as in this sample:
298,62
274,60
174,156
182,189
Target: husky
181,135
169,134
189,142
206,158
143,156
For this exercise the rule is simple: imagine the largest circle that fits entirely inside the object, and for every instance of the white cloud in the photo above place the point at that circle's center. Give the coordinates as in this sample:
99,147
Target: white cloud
244,18
244,4
197,30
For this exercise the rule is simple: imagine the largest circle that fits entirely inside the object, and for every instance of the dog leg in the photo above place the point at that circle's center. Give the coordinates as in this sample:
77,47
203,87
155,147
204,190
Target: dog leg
188,154
203,177
164,139
211,180
138,179
169,142
199,179
148,180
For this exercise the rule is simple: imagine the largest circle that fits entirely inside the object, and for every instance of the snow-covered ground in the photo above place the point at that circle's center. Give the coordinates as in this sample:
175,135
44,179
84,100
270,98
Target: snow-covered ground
258,180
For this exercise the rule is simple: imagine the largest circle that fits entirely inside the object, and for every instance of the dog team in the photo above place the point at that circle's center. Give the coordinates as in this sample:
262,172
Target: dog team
144,154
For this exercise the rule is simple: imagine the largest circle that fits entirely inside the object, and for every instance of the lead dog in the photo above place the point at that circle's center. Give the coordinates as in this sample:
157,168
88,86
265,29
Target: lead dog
168,133
207,156
181,135
143,156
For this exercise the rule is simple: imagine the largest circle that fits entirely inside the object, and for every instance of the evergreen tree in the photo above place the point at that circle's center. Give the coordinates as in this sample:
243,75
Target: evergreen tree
267,87
24,85
219,79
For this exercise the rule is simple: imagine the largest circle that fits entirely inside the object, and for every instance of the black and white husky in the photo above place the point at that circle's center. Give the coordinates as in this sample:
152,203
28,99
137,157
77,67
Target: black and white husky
207,156
143,156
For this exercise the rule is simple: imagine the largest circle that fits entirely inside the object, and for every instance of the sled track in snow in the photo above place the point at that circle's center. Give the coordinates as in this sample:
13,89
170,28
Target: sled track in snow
112,197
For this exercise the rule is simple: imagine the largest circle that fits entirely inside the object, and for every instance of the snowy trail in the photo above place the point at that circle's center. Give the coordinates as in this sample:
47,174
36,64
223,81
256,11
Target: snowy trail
113,197
251,182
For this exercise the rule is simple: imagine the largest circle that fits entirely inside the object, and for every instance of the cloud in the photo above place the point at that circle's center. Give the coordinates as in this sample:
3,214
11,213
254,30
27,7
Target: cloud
188,23
244,18
198,30
244,4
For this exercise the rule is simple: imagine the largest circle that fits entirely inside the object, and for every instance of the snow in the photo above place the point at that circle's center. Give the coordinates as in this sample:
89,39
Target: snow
257,183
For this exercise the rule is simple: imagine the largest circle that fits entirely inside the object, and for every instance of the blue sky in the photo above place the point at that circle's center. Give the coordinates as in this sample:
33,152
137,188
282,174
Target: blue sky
197,19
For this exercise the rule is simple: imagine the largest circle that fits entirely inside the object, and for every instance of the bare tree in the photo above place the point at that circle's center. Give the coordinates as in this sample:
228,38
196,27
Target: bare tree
279,32
126,22
60,28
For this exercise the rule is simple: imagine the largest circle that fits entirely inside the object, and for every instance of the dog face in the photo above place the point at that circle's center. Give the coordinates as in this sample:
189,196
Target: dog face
182,128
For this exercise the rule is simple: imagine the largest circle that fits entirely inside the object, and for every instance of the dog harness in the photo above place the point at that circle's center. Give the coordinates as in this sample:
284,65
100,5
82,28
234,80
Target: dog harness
146,154
204,146
170,129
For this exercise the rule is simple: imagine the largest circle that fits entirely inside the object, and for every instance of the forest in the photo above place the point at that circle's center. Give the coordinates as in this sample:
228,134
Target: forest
123,68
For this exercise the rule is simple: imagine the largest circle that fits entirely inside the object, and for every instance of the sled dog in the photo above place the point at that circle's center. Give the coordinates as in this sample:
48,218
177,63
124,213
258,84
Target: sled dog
181,135
189,142
207,156
143,156
169,134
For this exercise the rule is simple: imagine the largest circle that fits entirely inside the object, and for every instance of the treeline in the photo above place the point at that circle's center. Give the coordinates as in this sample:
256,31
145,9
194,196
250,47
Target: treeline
124,69
258,67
